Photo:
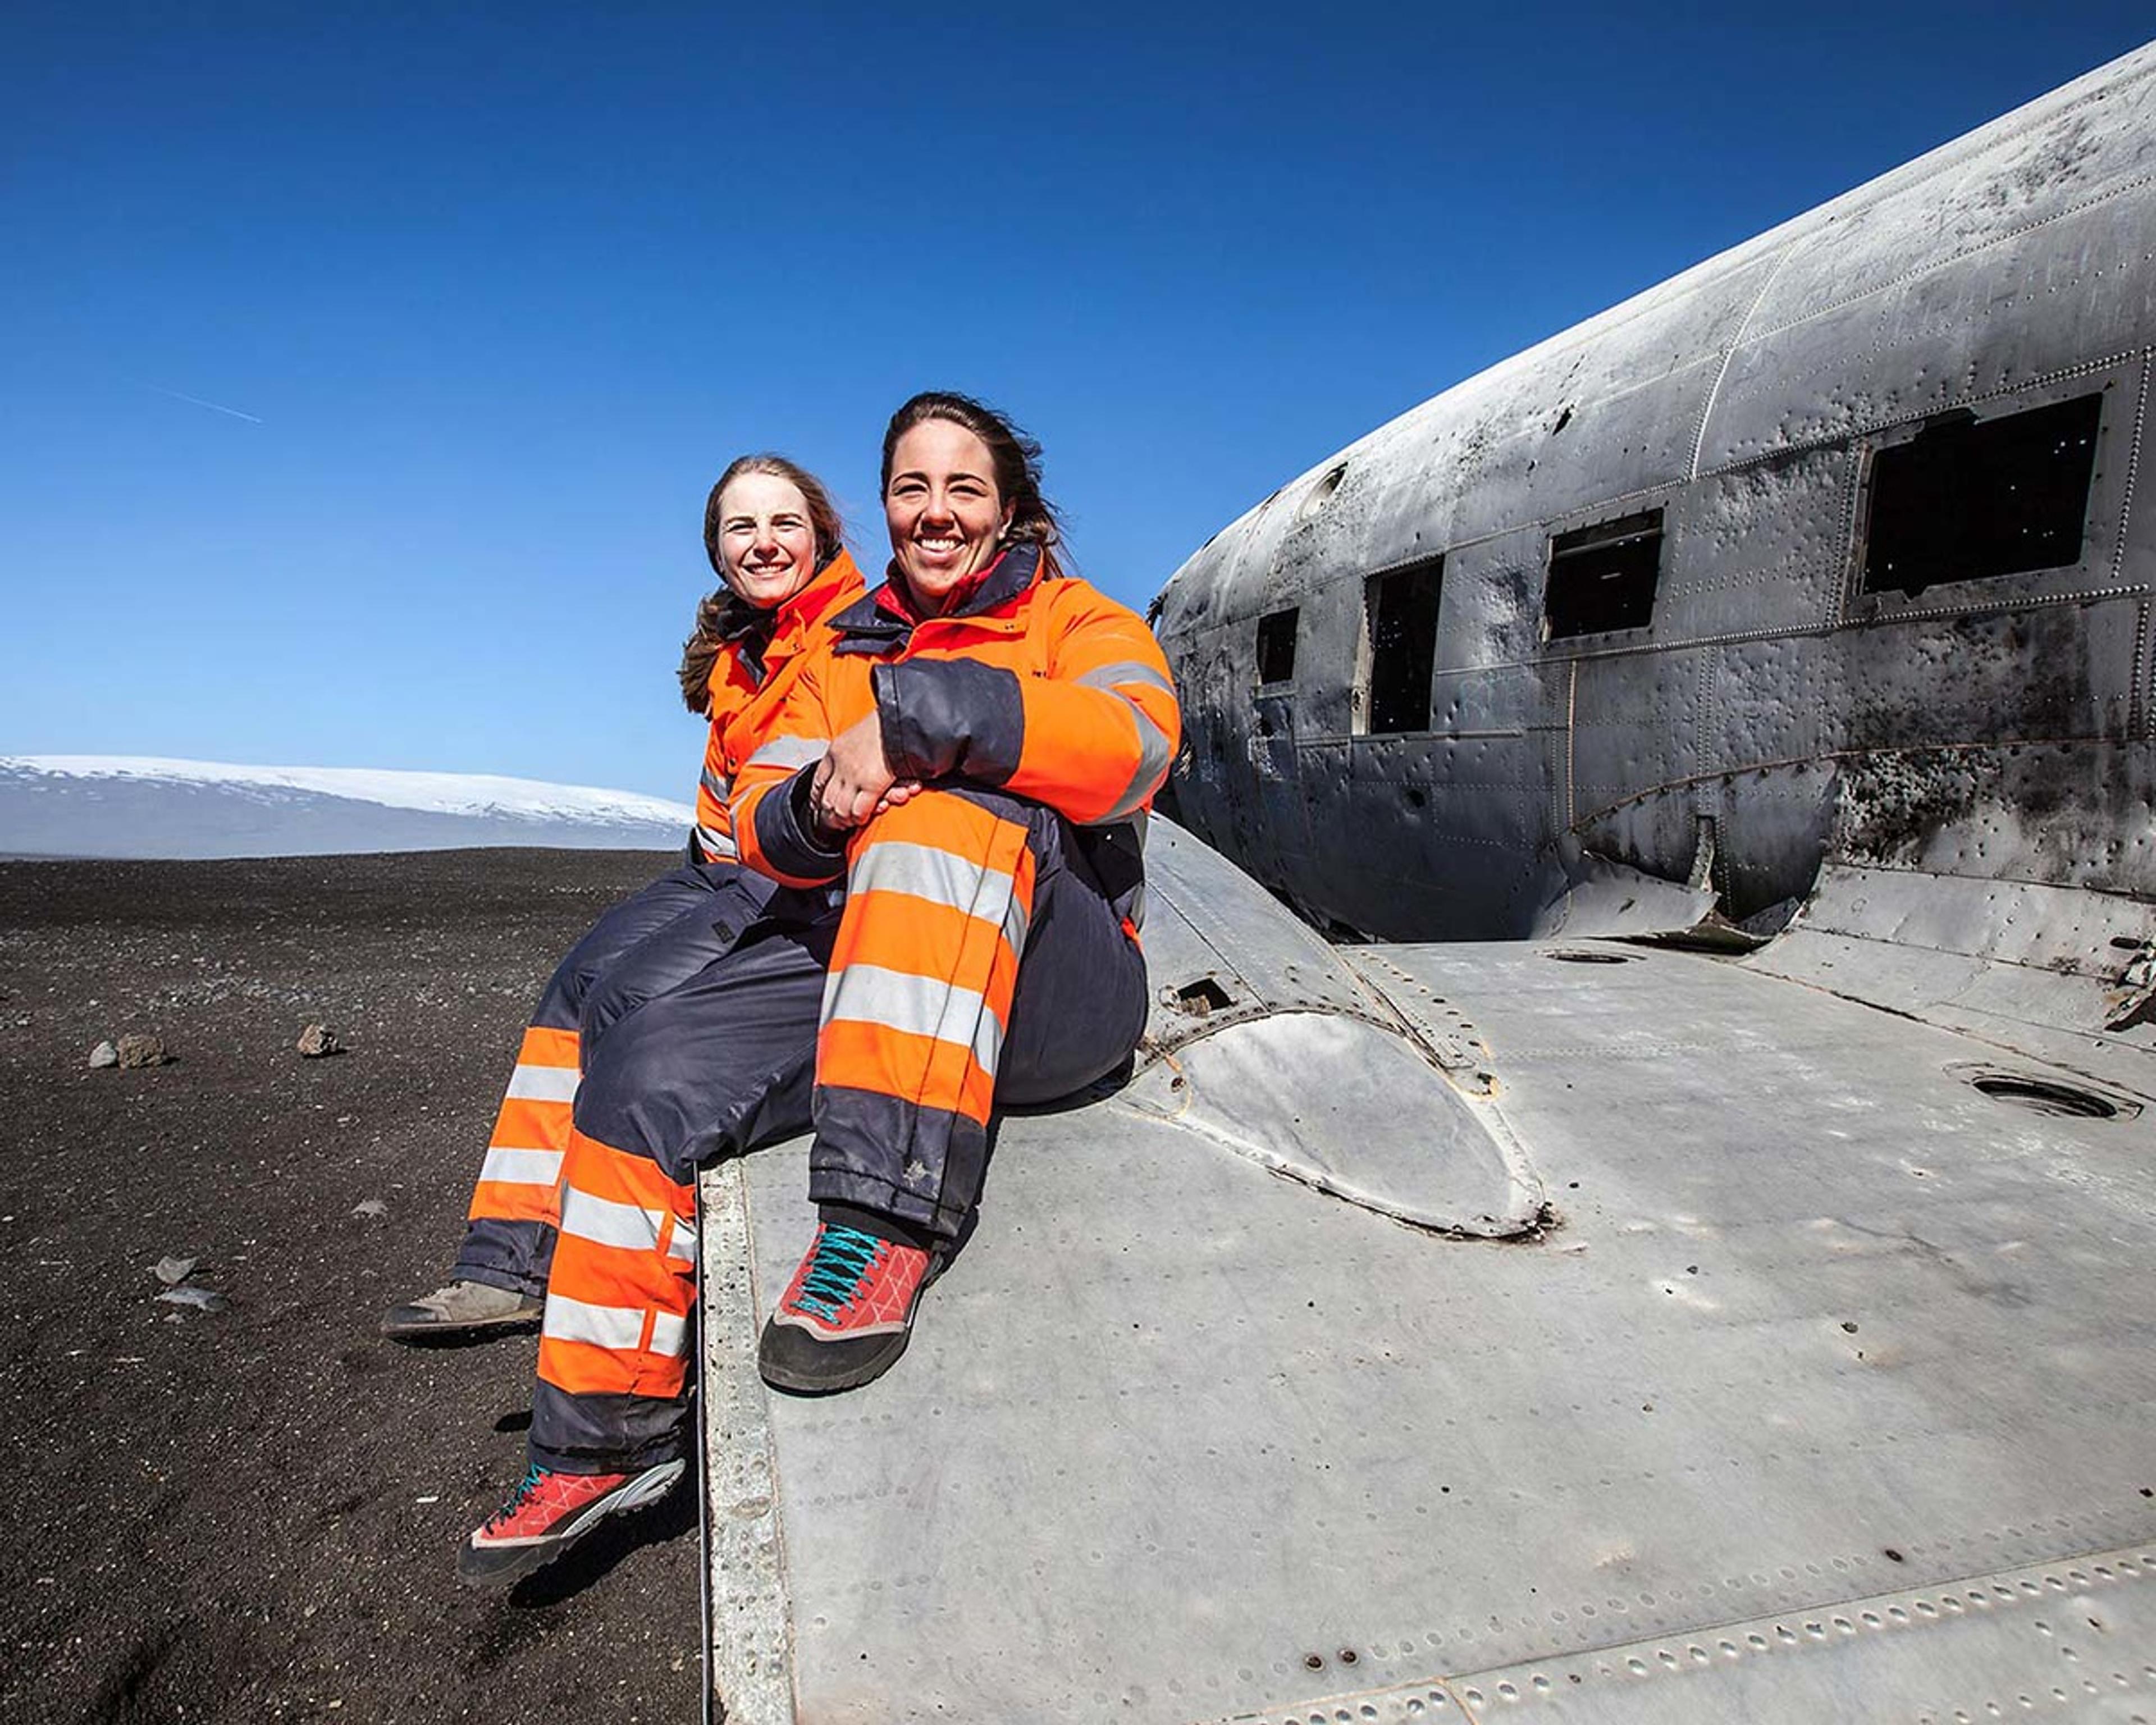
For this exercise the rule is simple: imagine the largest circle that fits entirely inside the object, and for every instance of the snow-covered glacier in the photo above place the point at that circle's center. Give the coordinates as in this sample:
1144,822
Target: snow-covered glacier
142,806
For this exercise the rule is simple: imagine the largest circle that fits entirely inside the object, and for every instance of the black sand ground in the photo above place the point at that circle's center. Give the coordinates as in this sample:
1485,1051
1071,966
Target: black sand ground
254,1514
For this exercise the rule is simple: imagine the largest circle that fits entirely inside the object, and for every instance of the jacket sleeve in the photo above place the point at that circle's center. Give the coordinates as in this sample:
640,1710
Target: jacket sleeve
724,696
771,823
1092,738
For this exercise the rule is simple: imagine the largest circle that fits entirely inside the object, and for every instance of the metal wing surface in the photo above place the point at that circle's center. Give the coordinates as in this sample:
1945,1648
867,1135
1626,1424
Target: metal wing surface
1461,1331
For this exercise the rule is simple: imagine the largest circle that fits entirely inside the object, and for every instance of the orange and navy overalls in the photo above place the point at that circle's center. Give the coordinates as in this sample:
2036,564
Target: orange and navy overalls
983,951
660,937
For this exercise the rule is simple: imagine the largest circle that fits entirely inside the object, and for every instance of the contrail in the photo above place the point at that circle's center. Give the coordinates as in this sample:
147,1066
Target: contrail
214,407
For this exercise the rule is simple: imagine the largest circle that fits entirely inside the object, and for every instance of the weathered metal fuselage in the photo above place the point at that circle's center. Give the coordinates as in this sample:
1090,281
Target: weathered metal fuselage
1661,592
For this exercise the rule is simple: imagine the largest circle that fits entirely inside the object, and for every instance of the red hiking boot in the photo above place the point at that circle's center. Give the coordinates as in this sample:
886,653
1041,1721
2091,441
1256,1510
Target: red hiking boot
847,1313
548,1514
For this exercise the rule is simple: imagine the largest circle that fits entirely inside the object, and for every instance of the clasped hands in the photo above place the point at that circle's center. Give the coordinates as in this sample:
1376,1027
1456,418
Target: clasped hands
853,782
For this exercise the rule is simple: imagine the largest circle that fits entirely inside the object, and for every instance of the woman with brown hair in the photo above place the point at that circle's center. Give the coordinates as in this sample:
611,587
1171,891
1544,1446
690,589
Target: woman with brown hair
776,542
971,751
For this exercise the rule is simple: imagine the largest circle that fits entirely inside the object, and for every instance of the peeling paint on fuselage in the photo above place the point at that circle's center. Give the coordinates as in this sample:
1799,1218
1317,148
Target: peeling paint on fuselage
1995,726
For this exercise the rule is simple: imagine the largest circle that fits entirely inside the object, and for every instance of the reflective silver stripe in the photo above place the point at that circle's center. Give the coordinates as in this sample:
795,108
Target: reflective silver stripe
1111,676
522,1168
607,1223
620,1327
1153,768
717,783
717,847
917,1005
669,1336
543,1084
943,878
789,751
682,1243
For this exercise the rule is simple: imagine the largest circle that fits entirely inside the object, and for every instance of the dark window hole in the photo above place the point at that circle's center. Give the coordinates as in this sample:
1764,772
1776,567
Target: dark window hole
1603,578
2044,1096
1580,955
1277,645
1971,500
1402,612
1202,998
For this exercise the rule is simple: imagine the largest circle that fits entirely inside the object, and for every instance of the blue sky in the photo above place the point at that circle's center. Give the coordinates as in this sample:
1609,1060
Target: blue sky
480,299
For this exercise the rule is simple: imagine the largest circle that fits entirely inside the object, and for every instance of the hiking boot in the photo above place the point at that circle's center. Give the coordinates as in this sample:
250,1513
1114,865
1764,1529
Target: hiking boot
847,1313
548,1514
462,1309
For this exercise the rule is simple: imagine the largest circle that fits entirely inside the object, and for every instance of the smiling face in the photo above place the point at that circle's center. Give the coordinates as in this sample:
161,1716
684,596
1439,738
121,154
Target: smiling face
767,539
946,515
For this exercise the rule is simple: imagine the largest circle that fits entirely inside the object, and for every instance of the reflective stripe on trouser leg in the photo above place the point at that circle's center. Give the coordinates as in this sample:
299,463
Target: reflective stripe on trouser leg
616,1332
939,898
519,1179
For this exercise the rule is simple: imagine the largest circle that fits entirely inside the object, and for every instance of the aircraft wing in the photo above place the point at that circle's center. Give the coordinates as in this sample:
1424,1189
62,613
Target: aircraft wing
1461,1331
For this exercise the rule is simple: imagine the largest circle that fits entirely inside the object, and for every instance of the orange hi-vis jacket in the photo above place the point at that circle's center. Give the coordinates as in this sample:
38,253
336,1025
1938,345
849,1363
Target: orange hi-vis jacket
1043,688
749,686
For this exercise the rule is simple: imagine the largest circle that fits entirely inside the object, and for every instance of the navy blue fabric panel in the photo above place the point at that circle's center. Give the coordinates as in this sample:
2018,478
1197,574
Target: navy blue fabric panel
515,1255
606,1434
787,837
922,1165
707,928
950,718
643,914
719,1063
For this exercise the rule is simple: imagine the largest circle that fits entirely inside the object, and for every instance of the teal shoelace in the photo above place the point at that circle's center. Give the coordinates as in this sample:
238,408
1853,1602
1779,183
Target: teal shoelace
525,1488
841,1258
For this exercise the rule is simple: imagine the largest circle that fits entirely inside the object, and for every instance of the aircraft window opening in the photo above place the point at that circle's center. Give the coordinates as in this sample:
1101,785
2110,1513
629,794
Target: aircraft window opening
1277,645
1400,617
1603,578
1972,500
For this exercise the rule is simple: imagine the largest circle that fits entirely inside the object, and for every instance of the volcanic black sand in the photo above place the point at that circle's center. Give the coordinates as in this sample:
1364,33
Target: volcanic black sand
254,1513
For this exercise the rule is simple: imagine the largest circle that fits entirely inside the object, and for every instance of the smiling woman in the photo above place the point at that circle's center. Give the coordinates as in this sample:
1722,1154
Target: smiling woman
960,482
972,749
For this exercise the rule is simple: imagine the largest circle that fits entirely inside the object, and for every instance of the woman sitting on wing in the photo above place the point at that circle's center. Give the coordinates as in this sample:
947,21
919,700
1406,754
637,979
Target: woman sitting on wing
972,752
776,542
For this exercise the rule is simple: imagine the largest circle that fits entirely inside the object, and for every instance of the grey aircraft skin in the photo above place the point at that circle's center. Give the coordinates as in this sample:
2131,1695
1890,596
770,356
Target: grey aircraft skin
1679,1250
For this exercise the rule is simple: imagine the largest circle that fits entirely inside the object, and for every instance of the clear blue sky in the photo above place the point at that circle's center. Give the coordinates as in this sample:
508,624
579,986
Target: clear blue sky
500,289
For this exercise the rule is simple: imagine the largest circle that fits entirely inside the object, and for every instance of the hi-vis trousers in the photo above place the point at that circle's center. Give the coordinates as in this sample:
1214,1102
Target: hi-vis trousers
975,960
660,937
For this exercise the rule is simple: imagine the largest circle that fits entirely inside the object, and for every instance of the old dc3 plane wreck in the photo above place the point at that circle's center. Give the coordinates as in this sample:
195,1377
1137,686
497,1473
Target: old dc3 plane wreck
1676,1246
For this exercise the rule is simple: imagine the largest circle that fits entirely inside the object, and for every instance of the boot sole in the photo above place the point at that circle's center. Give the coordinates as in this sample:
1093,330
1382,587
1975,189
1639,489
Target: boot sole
462,1330
779,1376
505,1565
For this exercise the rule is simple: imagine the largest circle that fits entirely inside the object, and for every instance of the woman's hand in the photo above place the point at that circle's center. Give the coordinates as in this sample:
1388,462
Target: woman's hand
854,783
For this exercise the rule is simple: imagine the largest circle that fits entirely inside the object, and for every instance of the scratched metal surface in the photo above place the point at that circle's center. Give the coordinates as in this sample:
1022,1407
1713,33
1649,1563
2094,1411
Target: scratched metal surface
2000,727
1821,1331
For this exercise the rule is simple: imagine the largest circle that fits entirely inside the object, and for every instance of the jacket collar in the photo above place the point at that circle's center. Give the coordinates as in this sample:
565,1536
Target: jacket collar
753,630
884,622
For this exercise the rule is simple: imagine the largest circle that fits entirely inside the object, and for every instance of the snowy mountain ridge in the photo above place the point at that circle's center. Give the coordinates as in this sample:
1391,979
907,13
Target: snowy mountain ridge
146,806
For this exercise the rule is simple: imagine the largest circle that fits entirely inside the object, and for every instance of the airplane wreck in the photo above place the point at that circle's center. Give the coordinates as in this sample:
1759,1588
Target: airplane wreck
1673,1249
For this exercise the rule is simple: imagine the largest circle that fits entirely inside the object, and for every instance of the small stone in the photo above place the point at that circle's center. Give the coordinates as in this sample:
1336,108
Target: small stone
104,1054
172,1271
317,1040
372,1209
141,1052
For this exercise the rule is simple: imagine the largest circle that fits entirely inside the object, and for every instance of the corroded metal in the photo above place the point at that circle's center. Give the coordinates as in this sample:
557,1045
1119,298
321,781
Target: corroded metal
1996,729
